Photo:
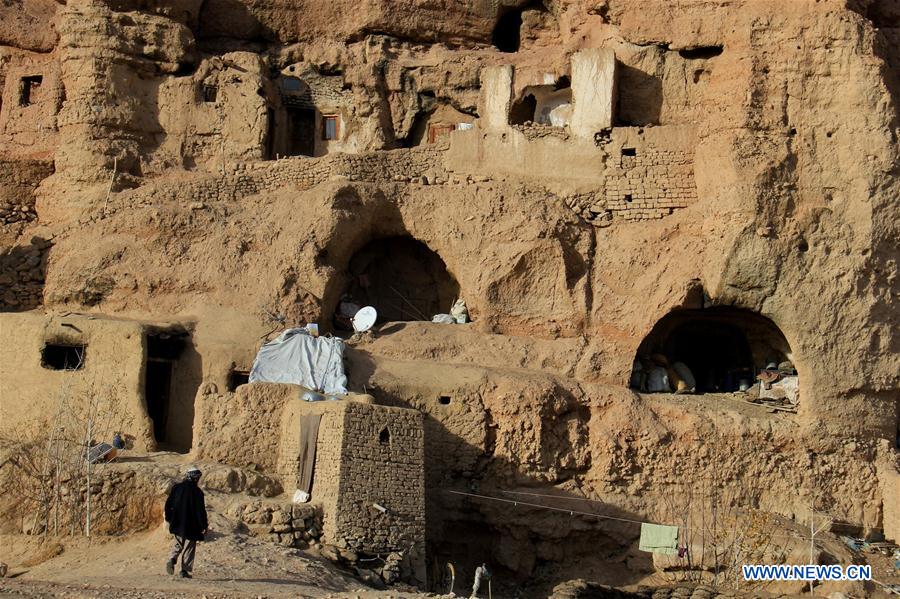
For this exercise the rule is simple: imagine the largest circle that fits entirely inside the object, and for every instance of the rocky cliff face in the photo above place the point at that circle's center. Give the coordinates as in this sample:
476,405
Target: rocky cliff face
168,124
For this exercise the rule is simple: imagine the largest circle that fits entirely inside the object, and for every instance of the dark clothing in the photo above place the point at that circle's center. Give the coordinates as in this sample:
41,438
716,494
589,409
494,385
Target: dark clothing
186,549
186,511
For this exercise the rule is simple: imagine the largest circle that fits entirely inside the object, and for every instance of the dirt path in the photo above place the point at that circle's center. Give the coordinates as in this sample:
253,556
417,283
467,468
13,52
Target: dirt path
229,565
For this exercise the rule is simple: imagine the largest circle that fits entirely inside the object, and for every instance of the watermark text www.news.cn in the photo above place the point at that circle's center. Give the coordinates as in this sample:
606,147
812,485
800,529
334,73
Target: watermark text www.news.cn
808,572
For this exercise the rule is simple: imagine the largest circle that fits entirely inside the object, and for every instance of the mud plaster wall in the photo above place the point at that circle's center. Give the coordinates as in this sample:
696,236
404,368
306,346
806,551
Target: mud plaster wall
30,130
889,475
112,376
198,133
241,428
326,480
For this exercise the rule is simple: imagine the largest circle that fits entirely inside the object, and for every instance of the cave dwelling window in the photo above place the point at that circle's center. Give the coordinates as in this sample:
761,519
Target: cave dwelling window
28,87
63,356
210,93
236,378
330,127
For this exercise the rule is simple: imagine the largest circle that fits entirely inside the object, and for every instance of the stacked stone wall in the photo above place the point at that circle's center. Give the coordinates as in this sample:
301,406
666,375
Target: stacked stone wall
18,181
289,524
245,179
651,184
22,262
382,463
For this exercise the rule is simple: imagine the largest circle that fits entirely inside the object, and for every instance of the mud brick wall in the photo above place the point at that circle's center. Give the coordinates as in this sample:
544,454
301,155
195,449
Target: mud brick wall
245,179
648,174
387,471
28,126
328,91
651,184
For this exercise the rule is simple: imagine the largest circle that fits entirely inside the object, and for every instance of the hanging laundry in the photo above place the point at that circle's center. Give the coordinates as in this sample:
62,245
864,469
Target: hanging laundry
659,538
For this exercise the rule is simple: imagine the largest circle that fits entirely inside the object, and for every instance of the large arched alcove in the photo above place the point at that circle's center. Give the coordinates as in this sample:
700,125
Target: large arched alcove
721,346
402,278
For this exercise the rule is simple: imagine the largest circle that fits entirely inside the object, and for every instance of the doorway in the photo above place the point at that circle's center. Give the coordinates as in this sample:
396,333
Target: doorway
158,389
301,132
171,378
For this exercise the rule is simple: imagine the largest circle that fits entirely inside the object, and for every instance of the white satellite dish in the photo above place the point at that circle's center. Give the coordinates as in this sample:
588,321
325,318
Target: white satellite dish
364,319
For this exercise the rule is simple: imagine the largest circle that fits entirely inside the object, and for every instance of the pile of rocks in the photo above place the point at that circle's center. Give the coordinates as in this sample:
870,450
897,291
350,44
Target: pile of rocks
22,275
11,212
290,524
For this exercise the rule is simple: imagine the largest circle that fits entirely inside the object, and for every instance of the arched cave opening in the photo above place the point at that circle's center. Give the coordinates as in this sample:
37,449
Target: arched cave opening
402,278
722,348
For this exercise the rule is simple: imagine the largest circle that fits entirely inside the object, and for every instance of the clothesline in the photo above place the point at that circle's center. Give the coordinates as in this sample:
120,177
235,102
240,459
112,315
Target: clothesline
548,507
585,499
580,513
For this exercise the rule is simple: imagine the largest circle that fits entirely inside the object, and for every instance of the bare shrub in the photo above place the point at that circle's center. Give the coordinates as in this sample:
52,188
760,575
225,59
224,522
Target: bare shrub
49,481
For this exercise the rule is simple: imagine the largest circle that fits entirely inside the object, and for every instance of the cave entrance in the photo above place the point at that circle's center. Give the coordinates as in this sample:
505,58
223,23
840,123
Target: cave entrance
301,138
402,278
291,127
722,348
171,379
507,33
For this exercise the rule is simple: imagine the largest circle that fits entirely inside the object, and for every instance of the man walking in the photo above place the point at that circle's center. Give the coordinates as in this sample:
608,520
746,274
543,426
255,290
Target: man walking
186,515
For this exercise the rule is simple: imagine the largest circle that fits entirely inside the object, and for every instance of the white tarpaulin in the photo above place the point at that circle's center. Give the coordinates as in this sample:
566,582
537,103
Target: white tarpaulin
298,358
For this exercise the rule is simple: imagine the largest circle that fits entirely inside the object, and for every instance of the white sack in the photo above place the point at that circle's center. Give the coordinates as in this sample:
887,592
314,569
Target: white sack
460,312
787,388
298,358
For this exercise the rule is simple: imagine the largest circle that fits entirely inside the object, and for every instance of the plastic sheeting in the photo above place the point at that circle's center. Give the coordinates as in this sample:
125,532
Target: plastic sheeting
298,358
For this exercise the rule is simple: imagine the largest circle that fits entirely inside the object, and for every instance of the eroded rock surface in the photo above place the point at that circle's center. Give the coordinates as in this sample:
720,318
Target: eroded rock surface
227,166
